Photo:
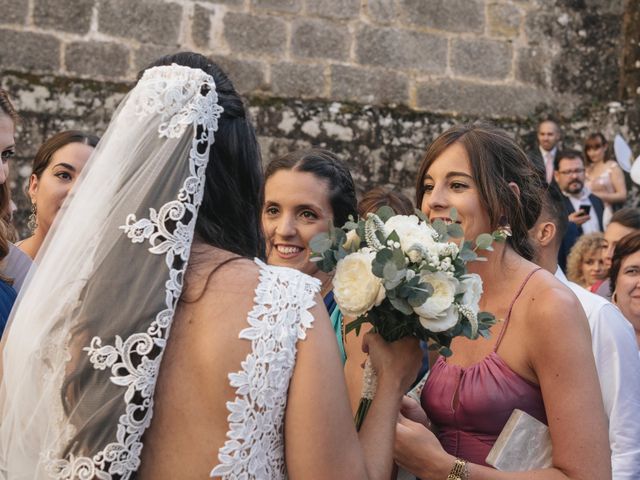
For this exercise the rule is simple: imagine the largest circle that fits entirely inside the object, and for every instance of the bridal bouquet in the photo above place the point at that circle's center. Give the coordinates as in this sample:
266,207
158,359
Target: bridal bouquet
404,276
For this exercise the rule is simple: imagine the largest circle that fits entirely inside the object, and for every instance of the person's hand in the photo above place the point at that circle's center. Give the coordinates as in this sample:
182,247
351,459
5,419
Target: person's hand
413,411
579,217
397,361
418,451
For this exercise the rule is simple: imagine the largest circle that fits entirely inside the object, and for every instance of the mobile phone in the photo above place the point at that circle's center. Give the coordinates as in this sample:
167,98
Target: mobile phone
585,209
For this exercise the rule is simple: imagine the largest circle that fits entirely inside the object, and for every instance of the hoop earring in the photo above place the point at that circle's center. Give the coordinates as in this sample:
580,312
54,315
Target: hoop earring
32,224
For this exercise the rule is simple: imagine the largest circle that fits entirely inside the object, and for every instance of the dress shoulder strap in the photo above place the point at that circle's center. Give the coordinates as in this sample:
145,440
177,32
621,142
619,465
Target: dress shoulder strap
513,301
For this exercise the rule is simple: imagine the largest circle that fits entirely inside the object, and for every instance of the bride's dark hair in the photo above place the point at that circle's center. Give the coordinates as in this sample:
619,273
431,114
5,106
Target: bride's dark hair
228,218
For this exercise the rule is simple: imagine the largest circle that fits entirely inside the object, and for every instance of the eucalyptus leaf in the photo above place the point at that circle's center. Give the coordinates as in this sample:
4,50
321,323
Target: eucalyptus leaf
418,297
445,351
321,243
455,230
390,272
340,237
385,213
381,259
468,255
484,241
420,214
441,229
399,259
350,225
453,214
402,305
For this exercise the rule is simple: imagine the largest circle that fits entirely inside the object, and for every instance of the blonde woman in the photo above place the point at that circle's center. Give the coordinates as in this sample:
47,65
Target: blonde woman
586,263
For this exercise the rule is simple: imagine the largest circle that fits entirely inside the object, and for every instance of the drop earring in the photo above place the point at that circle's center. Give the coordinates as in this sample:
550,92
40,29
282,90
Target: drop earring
32,224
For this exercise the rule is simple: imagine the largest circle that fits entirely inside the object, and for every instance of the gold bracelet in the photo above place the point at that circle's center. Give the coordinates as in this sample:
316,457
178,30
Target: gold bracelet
459,471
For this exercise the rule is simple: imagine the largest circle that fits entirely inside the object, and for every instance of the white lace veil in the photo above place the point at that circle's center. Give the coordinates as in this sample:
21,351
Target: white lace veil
83,348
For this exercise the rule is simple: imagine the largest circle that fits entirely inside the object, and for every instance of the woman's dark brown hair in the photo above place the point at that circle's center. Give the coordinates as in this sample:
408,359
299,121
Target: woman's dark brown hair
379,197
496,161
628,245
56,142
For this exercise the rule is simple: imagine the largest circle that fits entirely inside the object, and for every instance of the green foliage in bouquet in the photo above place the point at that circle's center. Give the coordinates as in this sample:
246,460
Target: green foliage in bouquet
403,270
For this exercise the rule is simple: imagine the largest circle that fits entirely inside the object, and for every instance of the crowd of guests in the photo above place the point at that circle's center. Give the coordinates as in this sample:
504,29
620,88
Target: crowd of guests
565,349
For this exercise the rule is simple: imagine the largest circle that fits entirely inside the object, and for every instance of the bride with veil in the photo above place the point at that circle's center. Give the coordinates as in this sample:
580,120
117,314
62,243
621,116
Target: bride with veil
158,238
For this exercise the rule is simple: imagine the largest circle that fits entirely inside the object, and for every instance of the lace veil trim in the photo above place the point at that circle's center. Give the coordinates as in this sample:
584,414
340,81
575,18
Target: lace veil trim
182,97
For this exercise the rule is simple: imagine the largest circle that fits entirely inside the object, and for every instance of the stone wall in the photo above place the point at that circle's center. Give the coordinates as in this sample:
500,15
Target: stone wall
374,80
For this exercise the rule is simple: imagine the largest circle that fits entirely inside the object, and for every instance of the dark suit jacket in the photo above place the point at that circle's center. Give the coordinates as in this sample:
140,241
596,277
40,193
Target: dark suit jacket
574,231
535,157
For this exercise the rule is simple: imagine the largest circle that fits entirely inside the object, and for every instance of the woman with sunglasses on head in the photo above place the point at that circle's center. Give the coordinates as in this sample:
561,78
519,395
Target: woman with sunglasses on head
604,176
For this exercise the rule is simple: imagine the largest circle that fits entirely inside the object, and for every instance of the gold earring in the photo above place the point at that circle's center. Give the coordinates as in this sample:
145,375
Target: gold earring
32,224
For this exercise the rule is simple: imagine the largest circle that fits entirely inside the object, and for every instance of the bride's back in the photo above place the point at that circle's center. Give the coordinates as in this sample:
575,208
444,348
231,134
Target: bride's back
190,415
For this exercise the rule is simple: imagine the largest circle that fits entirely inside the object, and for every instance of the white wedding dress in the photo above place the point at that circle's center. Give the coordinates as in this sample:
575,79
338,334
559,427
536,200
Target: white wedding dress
83,350
279,318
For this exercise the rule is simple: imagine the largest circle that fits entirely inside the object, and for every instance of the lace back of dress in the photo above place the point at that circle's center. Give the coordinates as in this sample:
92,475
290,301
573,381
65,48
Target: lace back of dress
279,318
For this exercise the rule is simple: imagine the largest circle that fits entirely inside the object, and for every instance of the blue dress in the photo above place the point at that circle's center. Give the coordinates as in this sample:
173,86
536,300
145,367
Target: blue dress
336,321
7,297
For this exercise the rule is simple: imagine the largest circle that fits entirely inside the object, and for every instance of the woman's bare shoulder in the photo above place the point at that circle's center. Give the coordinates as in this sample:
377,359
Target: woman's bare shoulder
550,304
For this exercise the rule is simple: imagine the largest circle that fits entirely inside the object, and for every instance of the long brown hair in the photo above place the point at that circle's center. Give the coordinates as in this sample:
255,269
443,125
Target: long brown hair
55,143
496,161
594,139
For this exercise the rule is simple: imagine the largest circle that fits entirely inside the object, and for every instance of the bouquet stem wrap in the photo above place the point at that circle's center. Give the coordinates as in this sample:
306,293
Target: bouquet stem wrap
369,387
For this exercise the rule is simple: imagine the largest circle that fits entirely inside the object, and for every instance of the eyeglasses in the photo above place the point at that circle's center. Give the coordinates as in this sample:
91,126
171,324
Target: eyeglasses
593,147
575,171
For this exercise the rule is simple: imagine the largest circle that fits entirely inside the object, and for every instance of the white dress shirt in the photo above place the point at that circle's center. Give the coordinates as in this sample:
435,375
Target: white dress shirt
591,225
616,354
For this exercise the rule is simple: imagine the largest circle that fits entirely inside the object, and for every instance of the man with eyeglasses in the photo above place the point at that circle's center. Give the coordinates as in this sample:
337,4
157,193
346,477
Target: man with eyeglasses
584,210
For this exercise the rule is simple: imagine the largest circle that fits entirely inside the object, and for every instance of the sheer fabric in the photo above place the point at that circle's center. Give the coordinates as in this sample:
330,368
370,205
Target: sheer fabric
85,340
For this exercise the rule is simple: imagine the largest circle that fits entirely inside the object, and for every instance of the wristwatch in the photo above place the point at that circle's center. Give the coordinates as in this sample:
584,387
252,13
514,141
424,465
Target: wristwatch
459,470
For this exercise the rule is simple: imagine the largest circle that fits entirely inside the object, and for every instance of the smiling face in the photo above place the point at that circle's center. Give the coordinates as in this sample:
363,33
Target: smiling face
628,289
593,267
7,145
296,208
449,183
49,191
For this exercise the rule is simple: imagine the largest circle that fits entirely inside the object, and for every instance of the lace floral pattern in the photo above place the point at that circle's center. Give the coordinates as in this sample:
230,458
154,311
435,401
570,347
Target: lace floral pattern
182,97
279,318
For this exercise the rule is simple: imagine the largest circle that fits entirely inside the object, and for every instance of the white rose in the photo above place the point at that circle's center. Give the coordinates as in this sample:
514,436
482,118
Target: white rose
411,231
471,285
442,322
355,287
444,291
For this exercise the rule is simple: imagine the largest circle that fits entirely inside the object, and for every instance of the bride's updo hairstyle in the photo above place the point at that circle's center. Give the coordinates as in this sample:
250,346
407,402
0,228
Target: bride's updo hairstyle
229,217
496,161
